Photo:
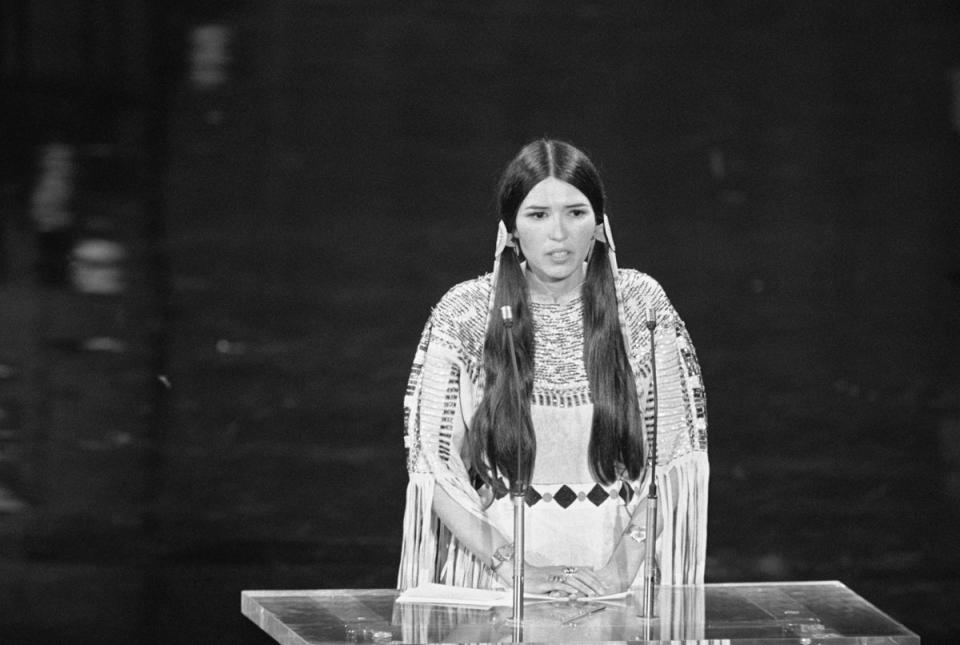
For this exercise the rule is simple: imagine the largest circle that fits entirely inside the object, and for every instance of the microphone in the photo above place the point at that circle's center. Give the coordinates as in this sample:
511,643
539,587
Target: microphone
650,555
506,315
517,486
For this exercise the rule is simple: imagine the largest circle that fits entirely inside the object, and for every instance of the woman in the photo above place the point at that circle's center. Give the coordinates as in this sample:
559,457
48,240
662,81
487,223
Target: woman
584,363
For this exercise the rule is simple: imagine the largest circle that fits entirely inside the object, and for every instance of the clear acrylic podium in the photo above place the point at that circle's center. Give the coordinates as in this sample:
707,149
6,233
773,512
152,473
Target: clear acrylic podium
801,613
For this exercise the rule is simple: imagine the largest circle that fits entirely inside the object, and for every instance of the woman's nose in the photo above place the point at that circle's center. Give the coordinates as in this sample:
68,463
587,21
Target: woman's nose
558,230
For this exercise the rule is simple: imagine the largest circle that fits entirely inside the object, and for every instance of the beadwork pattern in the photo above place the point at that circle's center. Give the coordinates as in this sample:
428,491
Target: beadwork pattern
458,326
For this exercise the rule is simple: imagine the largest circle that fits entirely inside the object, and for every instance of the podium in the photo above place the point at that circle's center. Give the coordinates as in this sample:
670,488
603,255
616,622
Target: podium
795,613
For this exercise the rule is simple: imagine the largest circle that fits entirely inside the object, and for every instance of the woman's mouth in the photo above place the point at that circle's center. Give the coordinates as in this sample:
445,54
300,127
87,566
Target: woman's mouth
558,256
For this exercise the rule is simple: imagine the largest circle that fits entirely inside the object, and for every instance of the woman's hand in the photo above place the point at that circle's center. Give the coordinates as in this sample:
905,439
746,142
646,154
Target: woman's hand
612,577
564,582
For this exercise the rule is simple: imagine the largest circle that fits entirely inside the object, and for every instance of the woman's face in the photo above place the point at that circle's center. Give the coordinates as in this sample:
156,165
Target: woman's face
555,229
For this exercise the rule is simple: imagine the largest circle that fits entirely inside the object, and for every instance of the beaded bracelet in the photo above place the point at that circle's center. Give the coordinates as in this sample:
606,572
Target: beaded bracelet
501,555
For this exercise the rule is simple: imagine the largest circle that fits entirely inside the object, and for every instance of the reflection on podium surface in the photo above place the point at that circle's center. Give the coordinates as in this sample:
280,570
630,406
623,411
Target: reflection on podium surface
680,617
756,613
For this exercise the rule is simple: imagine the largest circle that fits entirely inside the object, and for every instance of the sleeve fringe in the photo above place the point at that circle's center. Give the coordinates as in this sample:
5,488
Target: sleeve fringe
418,552
682,543
429,552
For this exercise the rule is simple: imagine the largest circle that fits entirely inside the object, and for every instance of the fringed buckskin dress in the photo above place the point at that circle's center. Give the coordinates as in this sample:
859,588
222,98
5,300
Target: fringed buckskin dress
571,519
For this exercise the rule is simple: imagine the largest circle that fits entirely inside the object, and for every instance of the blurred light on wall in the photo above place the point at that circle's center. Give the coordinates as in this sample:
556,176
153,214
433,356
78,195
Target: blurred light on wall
209,55
955,92
97,266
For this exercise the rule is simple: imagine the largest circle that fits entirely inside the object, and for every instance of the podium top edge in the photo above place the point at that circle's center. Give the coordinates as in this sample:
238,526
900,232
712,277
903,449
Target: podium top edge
257,593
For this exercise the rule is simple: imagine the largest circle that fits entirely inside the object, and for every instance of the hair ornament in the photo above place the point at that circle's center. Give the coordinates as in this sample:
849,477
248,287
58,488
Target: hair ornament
605,235
504,239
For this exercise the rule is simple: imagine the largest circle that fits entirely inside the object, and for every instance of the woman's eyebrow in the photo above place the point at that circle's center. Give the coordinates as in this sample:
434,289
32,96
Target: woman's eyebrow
536,207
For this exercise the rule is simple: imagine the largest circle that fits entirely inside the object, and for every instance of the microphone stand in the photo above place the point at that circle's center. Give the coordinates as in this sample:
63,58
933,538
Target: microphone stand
650,556
517,491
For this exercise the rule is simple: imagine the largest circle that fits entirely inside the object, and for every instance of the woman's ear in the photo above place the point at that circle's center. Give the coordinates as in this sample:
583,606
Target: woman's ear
516,246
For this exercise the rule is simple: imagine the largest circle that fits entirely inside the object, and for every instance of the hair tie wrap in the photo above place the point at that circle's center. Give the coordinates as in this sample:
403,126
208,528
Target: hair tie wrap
504,239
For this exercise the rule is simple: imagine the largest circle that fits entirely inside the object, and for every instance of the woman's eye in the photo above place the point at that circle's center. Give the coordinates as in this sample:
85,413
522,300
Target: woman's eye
578,212
536,214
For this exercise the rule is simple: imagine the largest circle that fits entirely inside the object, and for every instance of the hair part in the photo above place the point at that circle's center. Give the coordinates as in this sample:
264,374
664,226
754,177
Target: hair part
616,439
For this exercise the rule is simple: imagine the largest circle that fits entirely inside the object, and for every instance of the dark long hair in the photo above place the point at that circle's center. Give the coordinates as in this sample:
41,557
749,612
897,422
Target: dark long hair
616,439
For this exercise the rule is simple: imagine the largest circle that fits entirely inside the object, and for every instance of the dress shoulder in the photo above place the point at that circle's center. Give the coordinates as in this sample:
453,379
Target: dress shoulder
464,303
638,293
637,287
467,295
459,320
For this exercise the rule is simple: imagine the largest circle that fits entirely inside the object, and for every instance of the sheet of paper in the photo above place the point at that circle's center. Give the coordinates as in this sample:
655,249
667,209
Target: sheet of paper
437,594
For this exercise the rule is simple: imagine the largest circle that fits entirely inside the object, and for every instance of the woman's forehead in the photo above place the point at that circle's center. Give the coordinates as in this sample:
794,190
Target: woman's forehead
552,192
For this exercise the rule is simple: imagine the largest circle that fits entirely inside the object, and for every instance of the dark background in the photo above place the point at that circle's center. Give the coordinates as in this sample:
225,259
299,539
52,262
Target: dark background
231,418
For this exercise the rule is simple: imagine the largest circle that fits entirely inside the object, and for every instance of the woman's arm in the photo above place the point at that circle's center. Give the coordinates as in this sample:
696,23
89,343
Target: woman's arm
623,567
457,504
464,547
497,551
434,429
682,464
